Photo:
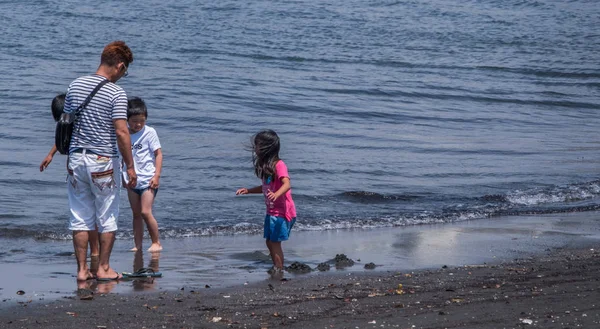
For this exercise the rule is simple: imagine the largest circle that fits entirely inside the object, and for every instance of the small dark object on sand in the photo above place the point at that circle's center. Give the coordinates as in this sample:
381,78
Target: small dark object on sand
20,292
299,268
370,266
323,267
342,260
85,294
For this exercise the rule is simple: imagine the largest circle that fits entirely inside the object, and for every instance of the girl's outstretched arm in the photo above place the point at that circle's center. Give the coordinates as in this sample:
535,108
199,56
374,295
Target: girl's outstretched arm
48,158
254,190
281,191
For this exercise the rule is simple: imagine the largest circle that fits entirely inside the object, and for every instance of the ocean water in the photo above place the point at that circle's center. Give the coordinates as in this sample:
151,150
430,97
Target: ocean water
390,113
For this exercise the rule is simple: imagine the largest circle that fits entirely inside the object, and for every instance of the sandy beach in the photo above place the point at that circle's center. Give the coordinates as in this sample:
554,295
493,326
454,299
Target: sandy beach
499,273
556,290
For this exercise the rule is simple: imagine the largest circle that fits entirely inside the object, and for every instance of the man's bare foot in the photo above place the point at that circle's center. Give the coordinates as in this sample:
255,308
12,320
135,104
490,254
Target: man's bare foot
134,249
110,274
155,247
84,275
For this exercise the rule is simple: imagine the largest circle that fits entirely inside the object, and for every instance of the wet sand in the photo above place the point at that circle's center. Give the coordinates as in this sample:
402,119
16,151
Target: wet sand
508,272
45,269
556,290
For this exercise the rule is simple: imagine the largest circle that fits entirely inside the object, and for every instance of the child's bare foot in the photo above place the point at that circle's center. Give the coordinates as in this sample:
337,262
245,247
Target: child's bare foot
155,247
134,249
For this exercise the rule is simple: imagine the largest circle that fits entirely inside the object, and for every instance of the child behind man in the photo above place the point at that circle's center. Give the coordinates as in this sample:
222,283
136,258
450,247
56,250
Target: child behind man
58,105
147,157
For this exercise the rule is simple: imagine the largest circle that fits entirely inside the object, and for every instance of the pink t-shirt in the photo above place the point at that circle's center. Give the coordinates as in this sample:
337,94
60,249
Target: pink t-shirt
284,205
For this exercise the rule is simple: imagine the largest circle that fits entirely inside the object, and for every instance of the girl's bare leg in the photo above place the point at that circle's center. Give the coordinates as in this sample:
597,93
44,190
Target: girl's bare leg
151,223
138,223
276,253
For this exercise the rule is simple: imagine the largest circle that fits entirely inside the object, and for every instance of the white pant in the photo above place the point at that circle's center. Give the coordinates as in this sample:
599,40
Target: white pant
94,185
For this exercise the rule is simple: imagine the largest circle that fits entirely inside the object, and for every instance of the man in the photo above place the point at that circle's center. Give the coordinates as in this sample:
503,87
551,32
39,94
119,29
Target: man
94,181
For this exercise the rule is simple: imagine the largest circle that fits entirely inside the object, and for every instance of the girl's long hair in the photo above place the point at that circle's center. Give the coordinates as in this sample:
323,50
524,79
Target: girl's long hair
266,153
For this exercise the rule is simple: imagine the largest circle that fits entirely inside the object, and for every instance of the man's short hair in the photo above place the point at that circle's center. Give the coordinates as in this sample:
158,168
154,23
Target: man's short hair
58,105
116,52
136,106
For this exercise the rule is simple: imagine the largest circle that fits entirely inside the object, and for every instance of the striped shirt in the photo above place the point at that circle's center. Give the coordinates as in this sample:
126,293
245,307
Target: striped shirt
94,129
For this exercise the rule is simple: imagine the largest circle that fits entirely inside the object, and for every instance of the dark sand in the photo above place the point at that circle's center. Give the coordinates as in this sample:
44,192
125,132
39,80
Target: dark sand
555,289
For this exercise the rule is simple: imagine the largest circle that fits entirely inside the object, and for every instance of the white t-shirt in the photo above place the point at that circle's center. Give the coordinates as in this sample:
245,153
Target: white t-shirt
143,145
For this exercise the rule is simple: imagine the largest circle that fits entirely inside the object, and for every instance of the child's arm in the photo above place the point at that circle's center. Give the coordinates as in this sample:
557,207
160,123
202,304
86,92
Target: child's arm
281,191
254,190
48,158
154,182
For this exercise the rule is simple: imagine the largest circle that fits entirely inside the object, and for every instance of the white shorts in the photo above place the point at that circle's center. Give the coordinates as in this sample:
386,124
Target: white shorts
94,184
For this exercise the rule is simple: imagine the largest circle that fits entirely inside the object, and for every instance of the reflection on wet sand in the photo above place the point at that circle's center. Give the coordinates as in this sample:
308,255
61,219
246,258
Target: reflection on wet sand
145,284
87,289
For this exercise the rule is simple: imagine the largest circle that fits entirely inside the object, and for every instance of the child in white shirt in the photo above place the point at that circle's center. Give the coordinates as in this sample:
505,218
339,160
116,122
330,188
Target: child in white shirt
147,156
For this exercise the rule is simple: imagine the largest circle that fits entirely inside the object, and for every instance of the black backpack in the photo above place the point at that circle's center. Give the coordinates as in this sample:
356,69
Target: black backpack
64,125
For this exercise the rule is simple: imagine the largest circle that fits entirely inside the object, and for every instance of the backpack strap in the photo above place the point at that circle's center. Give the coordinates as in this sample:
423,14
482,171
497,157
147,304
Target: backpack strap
90,96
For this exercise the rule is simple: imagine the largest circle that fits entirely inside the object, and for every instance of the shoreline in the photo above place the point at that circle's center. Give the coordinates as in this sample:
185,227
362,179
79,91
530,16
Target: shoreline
45,270
557,289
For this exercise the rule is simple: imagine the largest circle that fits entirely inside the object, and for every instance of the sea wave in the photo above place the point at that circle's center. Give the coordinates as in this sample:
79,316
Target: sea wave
395,210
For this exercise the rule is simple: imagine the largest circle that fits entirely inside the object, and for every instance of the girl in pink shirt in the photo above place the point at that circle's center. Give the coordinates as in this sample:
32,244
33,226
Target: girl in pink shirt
276,187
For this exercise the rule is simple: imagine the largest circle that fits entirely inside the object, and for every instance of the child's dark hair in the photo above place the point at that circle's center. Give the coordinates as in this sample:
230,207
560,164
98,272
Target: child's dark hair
266,153
58,105
136,106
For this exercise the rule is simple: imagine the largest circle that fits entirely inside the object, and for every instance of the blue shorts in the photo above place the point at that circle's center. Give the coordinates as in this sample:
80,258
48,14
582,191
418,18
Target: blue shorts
140,191
277,228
